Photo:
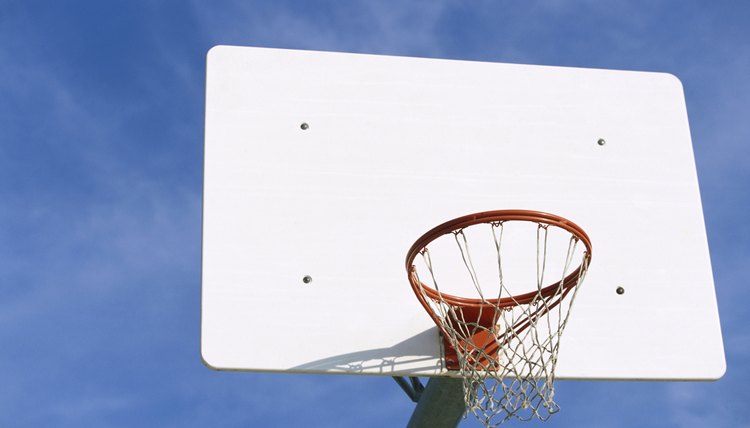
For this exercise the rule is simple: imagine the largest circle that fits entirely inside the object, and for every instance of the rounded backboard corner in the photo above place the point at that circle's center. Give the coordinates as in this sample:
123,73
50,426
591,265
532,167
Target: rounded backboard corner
720,372
215,50
673,80
205,359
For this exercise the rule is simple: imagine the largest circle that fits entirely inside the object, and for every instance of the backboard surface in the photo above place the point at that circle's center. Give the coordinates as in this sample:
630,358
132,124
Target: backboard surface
329,165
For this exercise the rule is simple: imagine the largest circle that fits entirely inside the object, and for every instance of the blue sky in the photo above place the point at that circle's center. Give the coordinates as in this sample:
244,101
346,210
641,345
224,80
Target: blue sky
101,145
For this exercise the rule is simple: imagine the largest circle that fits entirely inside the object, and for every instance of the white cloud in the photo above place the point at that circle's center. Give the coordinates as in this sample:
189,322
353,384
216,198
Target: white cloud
694,405
90,407
358,26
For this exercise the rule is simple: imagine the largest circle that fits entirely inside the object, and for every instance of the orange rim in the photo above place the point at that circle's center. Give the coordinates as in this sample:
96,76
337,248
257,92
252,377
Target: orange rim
490,217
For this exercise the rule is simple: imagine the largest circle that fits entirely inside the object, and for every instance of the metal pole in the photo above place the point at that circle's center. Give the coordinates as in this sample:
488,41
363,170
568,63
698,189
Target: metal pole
441,404
413,388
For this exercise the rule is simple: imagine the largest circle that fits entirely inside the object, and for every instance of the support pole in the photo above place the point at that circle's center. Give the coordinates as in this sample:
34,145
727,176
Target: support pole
441,404
413,388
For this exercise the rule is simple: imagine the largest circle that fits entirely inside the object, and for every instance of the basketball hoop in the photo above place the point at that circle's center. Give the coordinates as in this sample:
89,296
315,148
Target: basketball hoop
503,339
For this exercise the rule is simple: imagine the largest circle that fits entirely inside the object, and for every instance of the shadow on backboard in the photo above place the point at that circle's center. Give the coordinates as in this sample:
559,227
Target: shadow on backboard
406,358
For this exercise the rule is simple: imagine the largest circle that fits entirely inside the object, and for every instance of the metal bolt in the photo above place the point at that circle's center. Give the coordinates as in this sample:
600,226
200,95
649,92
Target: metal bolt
601,142
620,291
304,126
307,279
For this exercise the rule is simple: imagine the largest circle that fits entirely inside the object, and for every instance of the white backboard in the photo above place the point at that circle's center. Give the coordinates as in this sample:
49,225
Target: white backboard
330,165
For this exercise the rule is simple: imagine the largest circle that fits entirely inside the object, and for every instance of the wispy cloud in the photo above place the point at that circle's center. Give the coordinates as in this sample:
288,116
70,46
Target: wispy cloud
695,405
92,408
358,26
100,237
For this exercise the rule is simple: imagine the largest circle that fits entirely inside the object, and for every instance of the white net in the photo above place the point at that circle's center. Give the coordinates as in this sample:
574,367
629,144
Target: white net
503,335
